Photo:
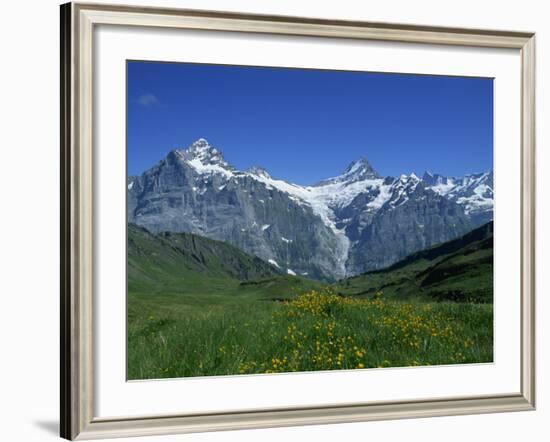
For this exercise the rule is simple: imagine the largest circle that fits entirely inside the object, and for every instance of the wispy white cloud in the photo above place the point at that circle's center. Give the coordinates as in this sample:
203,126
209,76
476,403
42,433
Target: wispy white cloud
147,100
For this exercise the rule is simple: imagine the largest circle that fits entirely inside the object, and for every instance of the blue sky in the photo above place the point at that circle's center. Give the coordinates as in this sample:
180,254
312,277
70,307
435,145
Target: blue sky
306,125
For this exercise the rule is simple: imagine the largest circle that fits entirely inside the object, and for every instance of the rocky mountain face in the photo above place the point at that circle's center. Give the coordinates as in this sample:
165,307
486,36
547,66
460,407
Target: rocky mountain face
342,226
413,218
473,192
457,270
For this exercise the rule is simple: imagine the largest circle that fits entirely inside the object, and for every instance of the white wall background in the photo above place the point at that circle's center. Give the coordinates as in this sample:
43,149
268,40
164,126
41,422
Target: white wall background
29,313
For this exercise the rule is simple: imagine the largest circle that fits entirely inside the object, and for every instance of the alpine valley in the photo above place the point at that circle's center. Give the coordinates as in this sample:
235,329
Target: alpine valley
341,227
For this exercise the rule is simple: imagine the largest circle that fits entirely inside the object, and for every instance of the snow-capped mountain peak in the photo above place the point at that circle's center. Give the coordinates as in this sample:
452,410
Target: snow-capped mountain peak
202,150
402,189
204,158
474,192
435,179
200,142
360,166
358,170
259,171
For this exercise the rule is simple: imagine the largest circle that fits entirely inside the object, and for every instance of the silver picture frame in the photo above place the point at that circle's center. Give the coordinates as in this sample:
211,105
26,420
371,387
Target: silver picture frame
78,21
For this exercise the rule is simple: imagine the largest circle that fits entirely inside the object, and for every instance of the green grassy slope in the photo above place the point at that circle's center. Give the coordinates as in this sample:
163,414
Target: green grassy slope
312,332
176,255
458,270
190,270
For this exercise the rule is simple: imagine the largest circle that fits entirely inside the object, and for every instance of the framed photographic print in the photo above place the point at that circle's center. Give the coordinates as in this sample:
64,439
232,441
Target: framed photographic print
272,220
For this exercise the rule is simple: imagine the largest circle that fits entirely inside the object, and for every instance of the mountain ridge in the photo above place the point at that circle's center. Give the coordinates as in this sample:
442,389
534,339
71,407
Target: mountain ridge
327,231
457,270
170,253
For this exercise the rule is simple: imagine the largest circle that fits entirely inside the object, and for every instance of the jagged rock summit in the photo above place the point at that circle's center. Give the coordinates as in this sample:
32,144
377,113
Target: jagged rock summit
203,157
358,170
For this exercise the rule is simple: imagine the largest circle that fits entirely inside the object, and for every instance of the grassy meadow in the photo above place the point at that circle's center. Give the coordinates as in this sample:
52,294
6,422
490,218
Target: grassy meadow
315,331
202,320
